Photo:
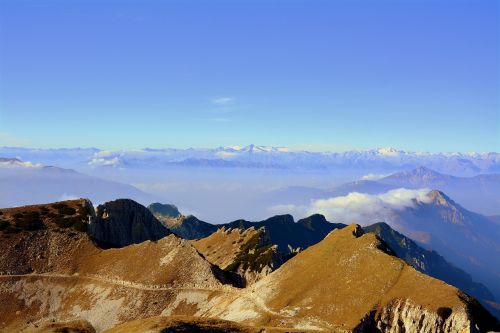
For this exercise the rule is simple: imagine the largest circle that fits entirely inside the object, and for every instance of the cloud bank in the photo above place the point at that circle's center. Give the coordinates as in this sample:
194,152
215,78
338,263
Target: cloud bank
358,207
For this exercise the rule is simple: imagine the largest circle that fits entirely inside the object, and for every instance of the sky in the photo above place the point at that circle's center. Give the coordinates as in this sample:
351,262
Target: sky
314,75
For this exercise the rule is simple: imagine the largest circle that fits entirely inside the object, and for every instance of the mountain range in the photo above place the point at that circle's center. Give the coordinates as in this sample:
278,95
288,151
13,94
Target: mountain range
252,156
56,276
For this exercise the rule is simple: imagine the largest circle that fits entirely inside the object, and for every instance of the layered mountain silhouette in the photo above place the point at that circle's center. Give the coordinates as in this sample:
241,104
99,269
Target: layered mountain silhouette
385,159
25,183
480,193
55,272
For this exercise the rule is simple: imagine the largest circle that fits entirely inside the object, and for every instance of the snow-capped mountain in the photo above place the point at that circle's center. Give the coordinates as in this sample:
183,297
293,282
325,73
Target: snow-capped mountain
376,160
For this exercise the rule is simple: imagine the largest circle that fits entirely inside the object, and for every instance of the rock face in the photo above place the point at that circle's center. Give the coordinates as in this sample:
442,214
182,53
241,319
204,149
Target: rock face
187,227
166,210
123,222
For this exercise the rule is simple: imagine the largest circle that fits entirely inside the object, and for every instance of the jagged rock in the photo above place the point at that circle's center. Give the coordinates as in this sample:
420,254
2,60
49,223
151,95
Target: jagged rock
247,252
187,227
167,210
123,222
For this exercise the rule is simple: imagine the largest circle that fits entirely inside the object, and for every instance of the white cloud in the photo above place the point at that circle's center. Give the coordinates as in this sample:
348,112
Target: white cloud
16,163
373,176
358,207
96,161
221,101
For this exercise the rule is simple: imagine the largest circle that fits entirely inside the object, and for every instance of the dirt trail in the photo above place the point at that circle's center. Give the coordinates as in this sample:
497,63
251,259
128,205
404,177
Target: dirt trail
253,297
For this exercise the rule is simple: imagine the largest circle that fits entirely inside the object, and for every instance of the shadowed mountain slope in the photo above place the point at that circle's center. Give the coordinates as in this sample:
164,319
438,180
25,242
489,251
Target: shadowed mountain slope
123,222
284,232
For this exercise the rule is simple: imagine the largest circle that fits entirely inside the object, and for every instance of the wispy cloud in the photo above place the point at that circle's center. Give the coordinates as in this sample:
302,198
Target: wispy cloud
374,176
223,100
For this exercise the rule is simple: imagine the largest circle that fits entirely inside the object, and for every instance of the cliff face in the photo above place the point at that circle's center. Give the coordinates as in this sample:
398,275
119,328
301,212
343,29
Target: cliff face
123,222
404,315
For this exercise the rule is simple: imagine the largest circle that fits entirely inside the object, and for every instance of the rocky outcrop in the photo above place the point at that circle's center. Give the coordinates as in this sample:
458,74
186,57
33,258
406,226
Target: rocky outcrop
168,210
187,227
246,252
123,222
405,316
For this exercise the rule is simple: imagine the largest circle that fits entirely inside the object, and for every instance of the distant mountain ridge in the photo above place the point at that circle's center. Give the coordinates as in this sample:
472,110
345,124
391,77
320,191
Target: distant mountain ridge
480,193
24,183
253,156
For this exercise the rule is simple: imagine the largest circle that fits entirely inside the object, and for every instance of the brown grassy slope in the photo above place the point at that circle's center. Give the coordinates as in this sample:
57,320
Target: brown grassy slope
345,277
181,324
70,214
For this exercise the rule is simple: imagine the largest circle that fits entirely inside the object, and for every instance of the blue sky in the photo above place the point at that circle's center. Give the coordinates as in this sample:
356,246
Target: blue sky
319,75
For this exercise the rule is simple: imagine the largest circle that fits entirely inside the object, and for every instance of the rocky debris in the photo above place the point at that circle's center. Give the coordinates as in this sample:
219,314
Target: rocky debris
123,222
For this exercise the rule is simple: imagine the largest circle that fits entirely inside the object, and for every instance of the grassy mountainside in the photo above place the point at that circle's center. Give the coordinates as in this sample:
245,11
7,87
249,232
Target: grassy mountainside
349,280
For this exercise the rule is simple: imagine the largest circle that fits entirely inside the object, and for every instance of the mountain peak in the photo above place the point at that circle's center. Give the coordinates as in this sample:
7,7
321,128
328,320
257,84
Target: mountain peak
420,175
440,198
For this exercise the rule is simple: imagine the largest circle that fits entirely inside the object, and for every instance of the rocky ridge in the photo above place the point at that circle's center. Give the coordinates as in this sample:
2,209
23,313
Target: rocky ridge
349,281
